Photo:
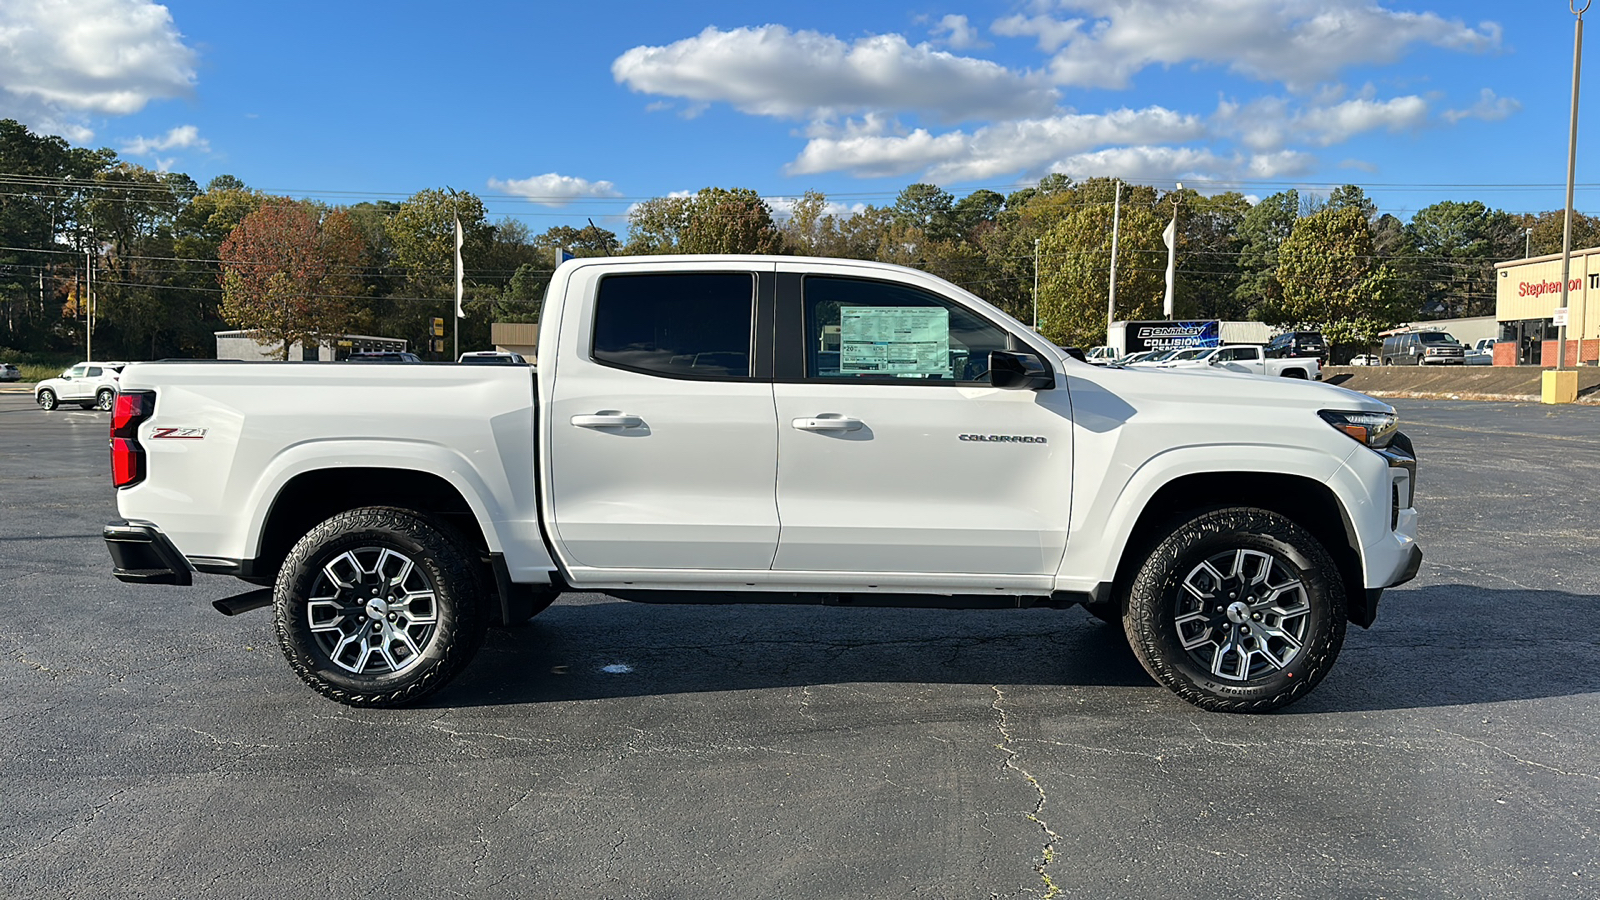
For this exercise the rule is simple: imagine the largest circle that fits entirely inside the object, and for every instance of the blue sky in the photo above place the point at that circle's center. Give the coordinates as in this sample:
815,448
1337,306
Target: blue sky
559,112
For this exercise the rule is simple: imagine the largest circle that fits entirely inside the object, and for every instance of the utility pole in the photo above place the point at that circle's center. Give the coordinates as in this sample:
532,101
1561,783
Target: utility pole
1572,165
88,303
1035,285
1116,228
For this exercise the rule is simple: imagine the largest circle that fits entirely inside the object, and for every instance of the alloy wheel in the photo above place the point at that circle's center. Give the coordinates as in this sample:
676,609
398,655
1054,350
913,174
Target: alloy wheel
373,611
1242,613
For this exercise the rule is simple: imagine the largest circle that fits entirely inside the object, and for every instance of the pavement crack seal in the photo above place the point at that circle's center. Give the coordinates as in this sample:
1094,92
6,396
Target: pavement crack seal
1048,854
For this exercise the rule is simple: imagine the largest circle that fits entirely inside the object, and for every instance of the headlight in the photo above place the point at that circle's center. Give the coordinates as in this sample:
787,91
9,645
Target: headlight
1375,429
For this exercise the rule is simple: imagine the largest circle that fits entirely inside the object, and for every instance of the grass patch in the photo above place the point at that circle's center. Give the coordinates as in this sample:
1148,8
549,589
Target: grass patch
39,366
34,372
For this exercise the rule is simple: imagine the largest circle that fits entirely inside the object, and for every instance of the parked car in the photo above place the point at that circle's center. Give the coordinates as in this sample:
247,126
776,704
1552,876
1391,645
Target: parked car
1364,359
1156,358
9,372
1102,356
1253,359
1189,356
91,385
493,358
1298,344
1423,348
384,356
1481,353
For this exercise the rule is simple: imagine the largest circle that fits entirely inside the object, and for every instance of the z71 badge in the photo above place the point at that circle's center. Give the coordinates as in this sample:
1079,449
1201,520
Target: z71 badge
178,434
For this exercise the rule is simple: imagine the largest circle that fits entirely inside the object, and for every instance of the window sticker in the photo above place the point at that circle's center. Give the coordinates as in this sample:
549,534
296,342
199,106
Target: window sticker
905,341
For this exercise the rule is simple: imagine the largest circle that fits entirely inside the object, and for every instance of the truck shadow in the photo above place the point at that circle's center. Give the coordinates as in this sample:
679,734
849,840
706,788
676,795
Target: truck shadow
1433,646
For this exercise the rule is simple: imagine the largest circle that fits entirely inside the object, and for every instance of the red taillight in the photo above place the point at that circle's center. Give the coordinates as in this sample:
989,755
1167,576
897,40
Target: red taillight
127,457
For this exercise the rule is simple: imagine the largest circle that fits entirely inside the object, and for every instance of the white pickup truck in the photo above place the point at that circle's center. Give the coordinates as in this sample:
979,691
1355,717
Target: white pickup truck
768,429
1248,358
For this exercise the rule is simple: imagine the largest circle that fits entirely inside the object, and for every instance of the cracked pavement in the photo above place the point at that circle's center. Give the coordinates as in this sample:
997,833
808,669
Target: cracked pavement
150,747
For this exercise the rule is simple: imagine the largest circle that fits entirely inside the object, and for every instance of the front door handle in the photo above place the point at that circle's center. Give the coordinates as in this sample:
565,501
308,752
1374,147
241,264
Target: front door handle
607,418
828,422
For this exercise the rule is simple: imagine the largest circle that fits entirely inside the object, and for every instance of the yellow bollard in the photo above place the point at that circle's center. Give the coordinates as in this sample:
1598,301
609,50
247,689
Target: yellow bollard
1559,387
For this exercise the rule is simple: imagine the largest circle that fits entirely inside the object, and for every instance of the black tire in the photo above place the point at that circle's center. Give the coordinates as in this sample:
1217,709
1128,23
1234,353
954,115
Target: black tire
47,400
1270,628
105,399
346,595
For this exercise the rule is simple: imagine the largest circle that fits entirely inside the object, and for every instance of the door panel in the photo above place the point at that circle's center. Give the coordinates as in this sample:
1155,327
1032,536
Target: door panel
690,486
905,492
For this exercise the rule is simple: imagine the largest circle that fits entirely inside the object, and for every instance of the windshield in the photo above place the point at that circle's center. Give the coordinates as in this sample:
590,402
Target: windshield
1162,356
1191,353
1436,337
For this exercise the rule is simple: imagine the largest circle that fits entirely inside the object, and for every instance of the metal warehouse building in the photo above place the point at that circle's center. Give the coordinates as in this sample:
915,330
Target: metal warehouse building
1527,295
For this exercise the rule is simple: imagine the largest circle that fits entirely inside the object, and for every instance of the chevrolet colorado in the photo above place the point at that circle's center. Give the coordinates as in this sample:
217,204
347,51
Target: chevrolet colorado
768,429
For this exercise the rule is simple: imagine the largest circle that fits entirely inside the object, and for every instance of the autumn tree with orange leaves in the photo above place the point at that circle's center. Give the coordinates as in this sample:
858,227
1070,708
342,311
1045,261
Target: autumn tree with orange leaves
290,273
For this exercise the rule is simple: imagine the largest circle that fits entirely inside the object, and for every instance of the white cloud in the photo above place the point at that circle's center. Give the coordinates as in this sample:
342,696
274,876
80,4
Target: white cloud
958,33
773,71
1489,108
552,189
61,62
184,137
1160,165
1338,123
1103,43
1027,145
783,208
1271,123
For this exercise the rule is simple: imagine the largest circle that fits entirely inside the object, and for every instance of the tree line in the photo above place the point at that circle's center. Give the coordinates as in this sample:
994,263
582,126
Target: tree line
173,262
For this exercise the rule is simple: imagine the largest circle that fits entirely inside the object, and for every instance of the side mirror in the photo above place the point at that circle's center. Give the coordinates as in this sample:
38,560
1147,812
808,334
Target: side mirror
1412,350
1019,372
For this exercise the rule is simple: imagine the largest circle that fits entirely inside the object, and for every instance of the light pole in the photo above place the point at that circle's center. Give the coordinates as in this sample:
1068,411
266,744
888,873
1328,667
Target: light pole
1527,243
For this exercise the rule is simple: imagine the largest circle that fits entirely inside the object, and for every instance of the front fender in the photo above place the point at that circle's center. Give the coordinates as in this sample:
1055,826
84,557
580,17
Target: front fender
1102,527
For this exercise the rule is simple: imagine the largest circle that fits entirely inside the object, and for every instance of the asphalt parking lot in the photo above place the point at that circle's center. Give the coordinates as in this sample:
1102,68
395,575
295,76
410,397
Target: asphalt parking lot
150,747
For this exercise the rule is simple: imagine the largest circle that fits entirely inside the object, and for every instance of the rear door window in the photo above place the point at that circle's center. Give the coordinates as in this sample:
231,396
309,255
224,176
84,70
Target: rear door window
692,325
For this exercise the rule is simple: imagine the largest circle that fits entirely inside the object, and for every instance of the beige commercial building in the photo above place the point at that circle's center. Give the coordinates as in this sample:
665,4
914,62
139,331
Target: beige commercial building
1527,295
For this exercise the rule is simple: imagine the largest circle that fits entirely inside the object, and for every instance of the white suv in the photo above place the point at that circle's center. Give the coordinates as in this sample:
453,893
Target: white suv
91,385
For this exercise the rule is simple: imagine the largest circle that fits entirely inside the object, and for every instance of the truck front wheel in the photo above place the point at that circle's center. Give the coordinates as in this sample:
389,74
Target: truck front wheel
379,607
1237,610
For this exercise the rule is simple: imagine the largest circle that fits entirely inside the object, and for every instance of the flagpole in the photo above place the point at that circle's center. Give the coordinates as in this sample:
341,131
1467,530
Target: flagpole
1171,238
456,325
1116,228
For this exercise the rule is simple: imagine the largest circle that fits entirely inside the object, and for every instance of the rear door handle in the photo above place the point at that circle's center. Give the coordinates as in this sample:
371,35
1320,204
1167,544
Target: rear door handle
607,419
828,422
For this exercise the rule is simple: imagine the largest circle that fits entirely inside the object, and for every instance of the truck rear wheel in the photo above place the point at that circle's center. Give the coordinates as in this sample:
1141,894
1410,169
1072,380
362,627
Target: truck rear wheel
379,607
1237,610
